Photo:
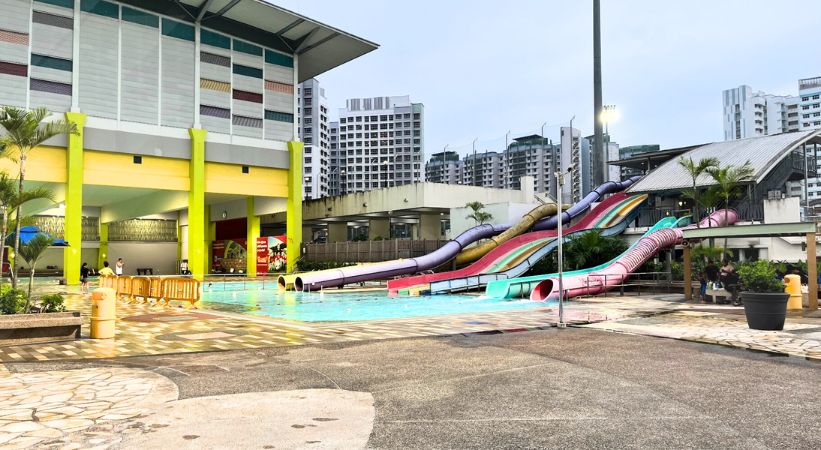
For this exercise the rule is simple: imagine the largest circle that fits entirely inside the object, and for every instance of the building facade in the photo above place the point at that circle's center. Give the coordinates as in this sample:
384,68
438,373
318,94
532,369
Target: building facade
181,109
631,151
380,143
809,102
314,131
533,156
484,169
444,167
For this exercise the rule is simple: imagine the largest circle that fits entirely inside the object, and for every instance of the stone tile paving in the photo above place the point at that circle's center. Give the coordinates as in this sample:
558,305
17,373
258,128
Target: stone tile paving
724,326
152,330
76,408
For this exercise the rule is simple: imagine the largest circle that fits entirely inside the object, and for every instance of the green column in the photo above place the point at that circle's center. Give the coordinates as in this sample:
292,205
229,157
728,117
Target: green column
293,221
251,235
73,228
210,236
102,254
196,204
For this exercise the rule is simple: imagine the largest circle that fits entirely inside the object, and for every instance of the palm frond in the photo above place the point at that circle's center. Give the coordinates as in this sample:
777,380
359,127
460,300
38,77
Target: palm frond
32,251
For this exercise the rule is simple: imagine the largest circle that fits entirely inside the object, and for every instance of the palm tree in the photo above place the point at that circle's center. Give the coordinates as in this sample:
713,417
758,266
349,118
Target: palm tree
31,252
591,249
729,180
478,214
25,131
695,169
9,199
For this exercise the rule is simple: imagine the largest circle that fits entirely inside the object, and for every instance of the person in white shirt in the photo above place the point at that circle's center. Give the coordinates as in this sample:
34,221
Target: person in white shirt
118,268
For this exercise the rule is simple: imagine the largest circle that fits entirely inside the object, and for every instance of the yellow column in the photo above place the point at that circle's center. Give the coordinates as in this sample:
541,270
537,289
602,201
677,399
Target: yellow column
812,272
102,254
293,221
210,236
196,204
251,235
73,228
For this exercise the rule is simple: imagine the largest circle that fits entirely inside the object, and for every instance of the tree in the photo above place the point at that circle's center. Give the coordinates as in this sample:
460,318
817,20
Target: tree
31,252
729,180
25,131
9,199
695,170
588,250
478,214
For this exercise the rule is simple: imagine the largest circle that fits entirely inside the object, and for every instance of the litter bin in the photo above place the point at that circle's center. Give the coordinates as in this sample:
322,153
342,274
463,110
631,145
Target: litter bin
792,286
103,307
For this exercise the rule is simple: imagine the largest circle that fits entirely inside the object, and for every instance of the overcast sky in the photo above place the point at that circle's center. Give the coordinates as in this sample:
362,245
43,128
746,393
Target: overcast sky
485,67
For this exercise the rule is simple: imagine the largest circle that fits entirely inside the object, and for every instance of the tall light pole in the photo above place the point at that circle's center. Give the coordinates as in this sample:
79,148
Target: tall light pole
598,148
559,183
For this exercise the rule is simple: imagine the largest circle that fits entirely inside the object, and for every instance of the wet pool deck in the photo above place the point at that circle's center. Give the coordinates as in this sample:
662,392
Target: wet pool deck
155,330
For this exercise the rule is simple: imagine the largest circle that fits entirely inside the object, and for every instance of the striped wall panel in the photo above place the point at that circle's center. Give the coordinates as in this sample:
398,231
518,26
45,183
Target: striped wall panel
279,131
279,102
140,65
247,109
14,52
247,126
215,98
65,8
247,60
246,83
65,21
213,85
212,111
215,67
50,74
12,89
56,97
14,15
52,40
215,124
177,109
12,37
283,88
98,56
280,74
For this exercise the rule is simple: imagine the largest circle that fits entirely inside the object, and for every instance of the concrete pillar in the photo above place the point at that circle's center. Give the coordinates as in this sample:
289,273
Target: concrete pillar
307,234
430,226
337,232
380,228
812,273
210,237
196,205
293,221
102,253
251,235
688,276
73,228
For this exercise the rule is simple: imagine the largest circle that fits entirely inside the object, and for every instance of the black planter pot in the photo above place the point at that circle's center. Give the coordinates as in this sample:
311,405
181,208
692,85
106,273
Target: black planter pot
765,311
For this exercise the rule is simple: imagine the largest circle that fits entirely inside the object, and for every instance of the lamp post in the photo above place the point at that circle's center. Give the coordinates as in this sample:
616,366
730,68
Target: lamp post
608,115
559,183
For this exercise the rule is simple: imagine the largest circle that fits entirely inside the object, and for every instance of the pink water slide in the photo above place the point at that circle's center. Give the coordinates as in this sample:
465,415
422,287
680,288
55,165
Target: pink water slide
593,283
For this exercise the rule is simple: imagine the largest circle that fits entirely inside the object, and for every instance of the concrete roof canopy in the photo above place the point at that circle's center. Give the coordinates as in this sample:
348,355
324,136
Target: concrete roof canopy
763,153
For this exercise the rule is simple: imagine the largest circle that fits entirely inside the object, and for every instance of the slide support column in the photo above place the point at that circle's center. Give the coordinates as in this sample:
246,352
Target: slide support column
293,221
73,228
252,233
196,204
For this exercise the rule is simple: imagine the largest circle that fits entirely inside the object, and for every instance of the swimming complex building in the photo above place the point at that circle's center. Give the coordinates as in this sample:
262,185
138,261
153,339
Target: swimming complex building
186,112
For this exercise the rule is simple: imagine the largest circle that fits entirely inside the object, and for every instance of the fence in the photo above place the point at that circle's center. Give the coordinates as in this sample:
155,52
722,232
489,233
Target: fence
369,251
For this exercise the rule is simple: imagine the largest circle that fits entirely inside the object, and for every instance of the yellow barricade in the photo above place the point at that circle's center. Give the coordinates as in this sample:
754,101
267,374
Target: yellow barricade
140,287
124,286
184,289
156,288
108,282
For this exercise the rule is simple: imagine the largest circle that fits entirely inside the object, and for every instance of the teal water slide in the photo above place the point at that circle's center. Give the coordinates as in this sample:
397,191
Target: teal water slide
521,287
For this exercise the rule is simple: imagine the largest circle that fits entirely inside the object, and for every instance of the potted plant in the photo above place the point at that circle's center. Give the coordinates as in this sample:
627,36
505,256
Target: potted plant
765,302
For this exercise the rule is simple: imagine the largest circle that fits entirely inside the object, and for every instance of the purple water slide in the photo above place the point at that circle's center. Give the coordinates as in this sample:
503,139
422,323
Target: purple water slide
596,282
355,274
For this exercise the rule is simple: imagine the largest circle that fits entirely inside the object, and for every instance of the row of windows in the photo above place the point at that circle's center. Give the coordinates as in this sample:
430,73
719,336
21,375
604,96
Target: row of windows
807,98
383,118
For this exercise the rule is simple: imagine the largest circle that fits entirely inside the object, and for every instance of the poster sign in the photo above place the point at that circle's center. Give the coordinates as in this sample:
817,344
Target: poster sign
228,256
271,254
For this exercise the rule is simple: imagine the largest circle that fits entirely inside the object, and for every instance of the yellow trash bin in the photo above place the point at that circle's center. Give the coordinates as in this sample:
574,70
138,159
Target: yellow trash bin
792,286
103,307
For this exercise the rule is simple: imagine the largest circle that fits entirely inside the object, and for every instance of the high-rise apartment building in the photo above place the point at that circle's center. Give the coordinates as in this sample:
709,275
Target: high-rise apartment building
533,156
575,160
809,101
380,143
444,167
483,169
315,134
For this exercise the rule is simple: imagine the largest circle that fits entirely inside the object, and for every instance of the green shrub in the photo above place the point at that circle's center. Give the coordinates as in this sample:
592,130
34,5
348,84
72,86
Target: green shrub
52,303
12,301
760,277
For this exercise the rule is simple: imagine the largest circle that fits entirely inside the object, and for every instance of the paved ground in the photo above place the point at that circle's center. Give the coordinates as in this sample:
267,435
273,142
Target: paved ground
558,388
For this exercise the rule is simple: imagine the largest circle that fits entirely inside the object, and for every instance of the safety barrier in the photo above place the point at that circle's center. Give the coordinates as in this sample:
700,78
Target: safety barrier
124,286
140,288
185,289
108,282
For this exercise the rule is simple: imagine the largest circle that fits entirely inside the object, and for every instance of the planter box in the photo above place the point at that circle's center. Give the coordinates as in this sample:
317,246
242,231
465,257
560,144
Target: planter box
16,329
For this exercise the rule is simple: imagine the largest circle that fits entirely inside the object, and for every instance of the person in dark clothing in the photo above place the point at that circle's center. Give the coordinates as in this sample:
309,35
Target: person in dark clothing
84,278
729,278
711,271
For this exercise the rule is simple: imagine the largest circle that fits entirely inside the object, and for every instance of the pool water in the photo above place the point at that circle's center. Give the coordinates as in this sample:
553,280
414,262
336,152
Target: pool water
319,307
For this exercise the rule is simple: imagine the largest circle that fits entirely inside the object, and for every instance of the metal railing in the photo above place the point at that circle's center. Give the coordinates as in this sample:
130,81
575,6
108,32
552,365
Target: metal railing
653,281
370,251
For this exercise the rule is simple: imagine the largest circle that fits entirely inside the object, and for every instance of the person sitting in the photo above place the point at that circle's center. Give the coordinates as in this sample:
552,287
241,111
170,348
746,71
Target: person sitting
106,271
729,278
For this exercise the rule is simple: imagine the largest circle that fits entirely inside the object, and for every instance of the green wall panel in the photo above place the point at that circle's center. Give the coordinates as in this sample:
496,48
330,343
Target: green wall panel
177,30
101,8
215,39
140,17
278,59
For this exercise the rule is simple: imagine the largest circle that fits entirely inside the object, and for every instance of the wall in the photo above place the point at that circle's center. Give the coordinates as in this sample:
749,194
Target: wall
785,210
53,256
160,256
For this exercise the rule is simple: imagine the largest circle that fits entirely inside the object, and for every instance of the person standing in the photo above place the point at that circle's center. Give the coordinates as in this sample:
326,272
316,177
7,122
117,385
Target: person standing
118,268
84,271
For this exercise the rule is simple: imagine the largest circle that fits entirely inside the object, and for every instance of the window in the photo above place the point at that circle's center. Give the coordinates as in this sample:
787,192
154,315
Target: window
804,99
816,96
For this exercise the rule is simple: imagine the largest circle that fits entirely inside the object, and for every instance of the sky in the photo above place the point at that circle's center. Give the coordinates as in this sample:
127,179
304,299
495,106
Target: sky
486,68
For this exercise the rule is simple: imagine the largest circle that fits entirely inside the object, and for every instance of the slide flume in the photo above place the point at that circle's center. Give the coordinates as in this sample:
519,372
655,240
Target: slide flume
523,250
596,282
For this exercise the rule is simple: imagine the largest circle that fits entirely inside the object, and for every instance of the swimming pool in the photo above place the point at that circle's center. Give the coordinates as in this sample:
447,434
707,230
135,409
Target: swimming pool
354,306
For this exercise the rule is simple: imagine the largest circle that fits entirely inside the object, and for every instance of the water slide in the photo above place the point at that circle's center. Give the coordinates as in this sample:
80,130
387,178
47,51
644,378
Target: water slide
514,257
597,281
313,281
521,287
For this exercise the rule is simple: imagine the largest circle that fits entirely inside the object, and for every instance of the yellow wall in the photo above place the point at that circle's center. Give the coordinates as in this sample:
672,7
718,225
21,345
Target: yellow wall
43,164
117,169
229,179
